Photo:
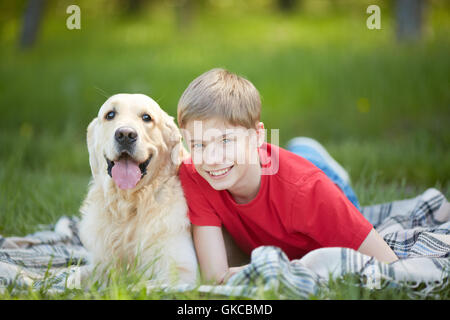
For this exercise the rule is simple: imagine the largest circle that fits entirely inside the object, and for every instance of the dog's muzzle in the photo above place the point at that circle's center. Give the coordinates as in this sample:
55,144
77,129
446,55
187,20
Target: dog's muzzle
125,171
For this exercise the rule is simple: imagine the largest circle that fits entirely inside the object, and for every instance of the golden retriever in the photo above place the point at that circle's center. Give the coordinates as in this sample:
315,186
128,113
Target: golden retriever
135,212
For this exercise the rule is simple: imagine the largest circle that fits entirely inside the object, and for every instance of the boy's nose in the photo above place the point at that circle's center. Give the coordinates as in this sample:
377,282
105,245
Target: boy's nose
213,155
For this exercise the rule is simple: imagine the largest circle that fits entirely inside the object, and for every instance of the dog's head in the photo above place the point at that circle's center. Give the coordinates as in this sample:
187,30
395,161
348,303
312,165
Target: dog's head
130,139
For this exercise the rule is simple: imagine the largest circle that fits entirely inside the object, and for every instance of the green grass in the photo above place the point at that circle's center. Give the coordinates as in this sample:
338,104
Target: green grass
129,286
380,107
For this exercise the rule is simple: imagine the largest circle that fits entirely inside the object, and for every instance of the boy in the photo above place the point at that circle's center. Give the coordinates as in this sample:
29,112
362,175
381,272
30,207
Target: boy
260,193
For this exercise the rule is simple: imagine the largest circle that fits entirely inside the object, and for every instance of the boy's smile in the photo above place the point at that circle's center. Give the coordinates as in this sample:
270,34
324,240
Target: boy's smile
226,156
220,173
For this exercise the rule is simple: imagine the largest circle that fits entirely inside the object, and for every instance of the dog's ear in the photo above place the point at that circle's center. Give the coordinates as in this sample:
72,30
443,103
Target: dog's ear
172,137
93,160
179,153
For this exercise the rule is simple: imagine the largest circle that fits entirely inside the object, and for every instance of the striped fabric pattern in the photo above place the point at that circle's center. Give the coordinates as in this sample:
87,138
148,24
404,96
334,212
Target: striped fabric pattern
53,258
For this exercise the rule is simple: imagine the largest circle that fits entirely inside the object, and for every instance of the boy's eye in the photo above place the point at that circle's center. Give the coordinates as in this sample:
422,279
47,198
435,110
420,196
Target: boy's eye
110,115
197,145
225,140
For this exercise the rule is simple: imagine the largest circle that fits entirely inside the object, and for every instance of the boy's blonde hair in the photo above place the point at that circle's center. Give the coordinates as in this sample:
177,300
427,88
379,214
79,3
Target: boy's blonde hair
221,94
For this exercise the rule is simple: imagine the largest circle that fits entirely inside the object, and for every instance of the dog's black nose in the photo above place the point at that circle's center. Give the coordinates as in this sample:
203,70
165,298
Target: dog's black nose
126,135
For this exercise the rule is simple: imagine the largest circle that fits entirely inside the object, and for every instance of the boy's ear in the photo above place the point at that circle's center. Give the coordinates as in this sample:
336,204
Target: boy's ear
261,133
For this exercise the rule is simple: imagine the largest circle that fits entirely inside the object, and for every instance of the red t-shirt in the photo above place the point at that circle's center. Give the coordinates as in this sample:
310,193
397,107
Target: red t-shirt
297,209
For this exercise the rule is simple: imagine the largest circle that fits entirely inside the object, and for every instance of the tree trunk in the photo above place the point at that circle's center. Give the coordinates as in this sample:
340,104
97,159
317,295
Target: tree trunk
286,5
410,14
31,22
183,12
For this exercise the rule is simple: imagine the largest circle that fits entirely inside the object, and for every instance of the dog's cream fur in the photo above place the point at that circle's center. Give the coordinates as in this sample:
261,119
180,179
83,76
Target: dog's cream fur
148,222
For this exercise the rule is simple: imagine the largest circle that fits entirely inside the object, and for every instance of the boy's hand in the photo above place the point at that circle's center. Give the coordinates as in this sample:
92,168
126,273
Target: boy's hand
230,273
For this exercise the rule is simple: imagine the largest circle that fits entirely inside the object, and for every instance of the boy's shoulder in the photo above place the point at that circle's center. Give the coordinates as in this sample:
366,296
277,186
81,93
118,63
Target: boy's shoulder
286,166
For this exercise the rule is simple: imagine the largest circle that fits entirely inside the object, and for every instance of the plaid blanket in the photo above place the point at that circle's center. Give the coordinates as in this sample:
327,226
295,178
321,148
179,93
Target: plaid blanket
53,259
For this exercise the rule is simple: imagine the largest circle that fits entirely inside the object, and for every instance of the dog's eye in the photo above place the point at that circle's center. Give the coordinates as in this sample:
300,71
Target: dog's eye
146,118
110,115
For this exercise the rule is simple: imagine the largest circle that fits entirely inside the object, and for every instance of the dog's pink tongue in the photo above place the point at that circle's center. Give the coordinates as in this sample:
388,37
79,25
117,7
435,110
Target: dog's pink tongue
126,173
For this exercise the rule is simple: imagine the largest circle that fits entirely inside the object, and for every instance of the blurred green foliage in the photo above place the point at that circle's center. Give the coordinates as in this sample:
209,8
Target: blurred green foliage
382,108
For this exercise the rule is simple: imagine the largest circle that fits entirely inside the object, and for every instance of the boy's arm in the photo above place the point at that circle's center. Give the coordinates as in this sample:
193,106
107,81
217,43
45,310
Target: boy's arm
211,253
375,246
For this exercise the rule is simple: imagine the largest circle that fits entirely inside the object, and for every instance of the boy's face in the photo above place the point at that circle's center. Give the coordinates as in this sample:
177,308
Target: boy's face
222,153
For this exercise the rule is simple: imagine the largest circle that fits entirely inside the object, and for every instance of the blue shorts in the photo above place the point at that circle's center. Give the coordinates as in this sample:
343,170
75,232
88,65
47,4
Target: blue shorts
313,151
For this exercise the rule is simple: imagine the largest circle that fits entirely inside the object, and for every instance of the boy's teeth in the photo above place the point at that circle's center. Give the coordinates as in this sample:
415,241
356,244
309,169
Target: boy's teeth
219,172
